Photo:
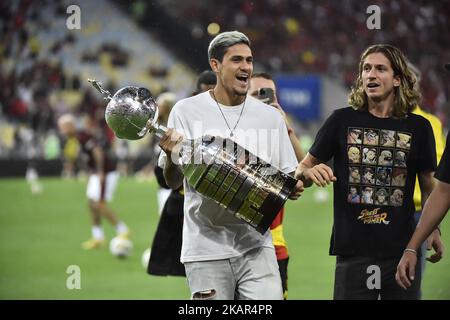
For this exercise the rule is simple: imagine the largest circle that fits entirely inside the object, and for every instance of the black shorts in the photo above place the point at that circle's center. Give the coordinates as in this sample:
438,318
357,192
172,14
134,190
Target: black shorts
166,247
364,278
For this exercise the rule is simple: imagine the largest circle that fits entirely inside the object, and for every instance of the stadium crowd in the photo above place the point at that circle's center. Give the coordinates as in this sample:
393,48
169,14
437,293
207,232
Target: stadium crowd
322,37
327,37
43,75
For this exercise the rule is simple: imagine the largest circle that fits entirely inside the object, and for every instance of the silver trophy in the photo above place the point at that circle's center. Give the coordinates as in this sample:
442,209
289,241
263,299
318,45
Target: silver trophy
218,168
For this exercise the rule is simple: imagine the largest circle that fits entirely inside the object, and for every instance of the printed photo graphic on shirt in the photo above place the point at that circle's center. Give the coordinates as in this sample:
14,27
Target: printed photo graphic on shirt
387,138
354,136
384,176
371,137
396,198
368,175
369,155
354,154
386,157
381,197
354,175
377,169
399,177
375,216
400,158
367,195
353,194
403,140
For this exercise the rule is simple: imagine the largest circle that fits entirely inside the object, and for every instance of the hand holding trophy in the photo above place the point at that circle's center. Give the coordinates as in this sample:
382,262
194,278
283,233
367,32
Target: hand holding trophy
218,168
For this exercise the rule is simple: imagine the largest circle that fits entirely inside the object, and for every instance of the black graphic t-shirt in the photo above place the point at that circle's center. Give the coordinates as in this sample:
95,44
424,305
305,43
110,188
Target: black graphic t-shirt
376,161
443,170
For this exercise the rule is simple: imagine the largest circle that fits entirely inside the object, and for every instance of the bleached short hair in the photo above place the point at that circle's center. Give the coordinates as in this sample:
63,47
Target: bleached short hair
219,45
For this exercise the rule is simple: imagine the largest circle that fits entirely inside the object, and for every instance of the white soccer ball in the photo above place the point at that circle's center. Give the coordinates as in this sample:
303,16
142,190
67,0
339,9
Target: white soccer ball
120,247
145,257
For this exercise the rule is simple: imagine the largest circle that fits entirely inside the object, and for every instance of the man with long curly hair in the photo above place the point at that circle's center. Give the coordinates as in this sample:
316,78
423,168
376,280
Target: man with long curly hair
365,235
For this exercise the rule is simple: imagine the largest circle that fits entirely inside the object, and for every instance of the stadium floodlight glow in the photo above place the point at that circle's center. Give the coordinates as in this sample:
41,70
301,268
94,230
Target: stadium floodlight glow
213,28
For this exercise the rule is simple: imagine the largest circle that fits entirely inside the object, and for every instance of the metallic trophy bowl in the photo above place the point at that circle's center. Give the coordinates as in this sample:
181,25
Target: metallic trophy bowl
131,112
218,168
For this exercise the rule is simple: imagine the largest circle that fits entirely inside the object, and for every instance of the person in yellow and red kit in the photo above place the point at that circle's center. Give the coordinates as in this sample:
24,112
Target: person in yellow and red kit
262,86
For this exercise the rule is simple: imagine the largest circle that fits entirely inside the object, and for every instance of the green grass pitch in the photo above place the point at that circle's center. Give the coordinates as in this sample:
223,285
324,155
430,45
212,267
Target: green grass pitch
41,236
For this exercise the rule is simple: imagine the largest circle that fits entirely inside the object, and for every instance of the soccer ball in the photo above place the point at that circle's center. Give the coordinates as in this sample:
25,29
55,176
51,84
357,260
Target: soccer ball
145,257
120,247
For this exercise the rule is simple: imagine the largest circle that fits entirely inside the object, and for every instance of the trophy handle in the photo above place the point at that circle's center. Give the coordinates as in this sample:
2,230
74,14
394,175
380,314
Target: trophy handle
160,131
98,85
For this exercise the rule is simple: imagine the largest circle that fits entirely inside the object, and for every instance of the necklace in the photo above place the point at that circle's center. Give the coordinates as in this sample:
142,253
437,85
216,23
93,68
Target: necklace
221,112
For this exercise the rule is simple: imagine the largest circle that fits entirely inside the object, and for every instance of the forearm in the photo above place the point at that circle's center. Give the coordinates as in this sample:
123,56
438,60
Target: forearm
299,153
433,212
170,143
300,174
173,174
424,195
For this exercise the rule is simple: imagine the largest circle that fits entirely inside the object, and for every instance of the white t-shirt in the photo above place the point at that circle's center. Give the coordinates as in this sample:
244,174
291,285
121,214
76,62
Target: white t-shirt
210,232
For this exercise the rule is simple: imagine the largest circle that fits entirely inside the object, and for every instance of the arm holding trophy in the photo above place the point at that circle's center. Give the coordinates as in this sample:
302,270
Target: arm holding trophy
253,192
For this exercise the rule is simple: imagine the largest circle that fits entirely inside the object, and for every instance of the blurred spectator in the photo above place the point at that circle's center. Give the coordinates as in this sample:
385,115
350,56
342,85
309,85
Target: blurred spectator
205,81
165,102
103,177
